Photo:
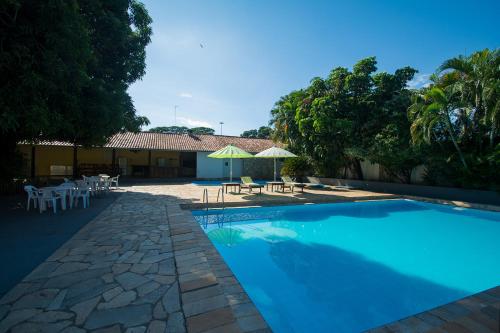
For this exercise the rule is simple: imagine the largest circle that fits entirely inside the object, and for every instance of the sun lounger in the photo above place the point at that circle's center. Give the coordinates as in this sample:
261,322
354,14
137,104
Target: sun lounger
247,182
343,187
289,182
314,182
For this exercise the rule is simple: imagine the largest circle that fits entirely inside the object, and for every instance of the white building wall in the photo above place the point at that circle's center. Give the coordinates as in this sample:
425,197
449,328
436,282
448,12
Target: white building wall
207,167
237,167
371,171
417,176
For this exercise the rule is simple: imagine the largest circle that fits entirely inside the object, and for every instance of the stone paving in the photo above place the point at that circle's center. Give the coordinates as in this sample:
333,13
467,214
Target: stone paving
145,265
479,313
117,273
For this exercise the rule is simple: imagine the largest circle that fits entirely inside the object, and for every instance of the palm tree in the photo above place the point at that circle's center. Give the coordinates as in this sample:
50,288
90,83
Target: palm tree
430,111
477,80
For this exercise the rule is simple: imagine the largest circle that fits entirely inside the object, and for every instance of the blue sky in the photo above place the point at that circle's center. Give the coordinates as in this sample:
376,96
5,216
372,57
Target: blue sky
256,51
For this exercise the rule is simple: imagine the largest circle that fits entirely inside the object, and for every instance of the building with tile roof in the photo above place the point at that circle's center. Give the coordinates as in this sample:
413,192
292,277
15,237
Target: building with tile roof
145,154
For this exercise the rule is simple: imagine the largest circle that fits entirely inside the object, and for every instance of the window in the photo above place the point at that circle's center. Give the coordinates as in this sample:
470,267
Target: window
162,162
61,170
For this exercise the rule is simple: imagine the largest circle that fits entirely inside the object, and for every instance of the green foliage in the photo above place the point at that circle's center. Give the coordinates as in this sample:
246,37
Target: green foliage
390,149
334,121
296,167
264,132
67,66
460,114
202,130
183,130
451,127
169,129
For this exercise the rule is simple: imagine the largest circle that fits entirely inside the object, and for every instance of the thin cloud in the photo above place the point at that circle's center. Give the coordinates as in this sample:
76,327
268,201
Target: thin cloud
194,122
185,95
419,81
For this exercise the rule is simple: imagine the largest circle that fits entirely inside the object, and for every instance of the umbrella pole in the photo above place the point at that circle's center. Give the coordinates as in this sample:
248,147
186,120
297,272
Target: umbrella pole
275,169
230,170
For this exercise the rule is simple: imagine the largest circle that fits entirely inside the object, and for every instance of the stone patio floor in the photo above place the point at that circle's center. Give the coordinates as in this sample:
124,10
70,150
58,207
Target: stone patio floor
145,265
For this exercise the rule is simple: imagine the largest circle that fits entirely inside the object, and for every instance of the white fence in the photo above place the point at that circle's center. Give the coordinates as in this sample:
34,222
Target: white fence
373,171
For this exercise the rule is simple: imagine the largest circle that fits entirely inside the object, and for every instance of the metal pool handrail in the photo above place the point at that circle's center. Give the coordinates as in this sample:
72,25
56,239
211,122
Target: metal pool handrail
205,198
220,193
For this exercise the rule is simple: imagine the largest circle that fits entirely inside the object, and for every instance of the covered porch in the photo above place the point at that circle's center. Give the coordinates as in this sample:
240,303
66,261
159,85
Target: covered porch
47,162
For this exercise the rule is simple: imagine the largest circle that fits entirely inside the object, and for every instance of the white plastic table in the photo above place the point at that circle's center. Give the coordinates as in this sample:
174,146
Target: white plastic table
63,192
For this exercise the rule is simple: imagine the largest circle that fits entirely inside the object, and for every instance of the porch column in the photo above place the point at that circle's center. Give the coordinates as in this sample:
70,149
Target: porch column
113,161
149,163
178,172
75,161
33,164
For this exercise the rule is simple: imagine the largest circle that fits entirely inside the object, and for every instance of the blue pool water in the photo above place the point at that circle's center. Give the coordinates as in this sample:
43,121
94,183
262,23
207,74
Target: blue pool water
349,267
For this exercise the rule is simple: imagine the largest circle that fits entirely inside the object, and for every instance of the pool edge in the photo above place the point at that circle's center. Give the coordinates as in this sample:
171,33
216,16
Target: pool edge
238,313
479,312
456,203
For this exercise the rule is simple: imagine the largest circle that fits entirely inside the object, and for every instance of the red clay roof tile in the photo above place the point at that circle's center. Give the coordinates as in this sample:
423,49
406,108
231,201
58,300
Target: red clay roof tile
177,142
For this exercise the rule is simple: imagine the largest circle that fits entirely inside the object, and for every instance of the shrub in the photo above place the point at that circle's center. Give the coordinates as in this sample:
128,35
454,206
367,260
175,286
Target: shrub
296,167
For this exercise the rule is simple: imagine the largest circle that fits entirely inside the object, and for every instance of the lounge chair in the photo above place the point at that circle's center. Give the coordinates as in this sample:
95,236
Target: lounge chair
247,182
314,182
344,187
339,186
289,182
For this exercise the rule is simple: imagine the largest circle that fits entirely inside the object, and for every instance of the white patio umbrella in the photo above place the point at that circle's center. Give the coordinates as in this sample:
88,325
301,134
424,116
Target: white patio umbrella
275,152
230,152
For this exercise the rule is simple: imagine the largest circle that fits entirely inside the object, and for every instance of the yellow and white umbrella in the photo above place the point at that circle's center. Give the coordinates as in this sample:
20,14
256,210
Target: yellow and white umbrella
230,152
275,152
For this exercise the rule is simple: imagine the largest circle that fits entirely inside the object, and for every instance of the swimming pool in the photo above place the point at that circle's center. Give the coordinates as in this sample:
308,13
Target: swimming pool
349,267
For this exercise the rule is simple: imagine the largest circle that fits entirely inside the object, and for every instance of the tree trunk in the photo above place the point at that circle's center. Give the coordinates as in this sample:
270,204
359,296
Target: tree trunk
357,168
453,139
438,142
492,135
407,176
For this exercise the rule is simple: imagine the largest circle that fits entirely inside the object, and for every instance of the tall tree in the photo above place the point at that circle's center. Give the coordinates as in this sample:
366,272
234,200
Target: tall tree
202,130
334,121
433,110
169,129
460,113
264,132
183,130
476,79
68,65
283,119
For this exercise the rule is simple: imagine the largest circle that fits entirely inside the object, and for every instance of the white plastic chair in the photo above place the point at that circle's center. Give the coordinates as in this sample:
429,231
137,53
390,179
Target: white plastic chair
94,183
84,193
50,197
32,195
114,180
105,184
86,184
68,189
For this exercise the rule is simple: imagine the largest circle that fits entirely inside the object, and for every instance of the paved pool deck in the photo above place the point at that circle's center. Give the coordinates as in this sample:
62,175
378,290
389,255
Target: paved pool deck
145,265
27,238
